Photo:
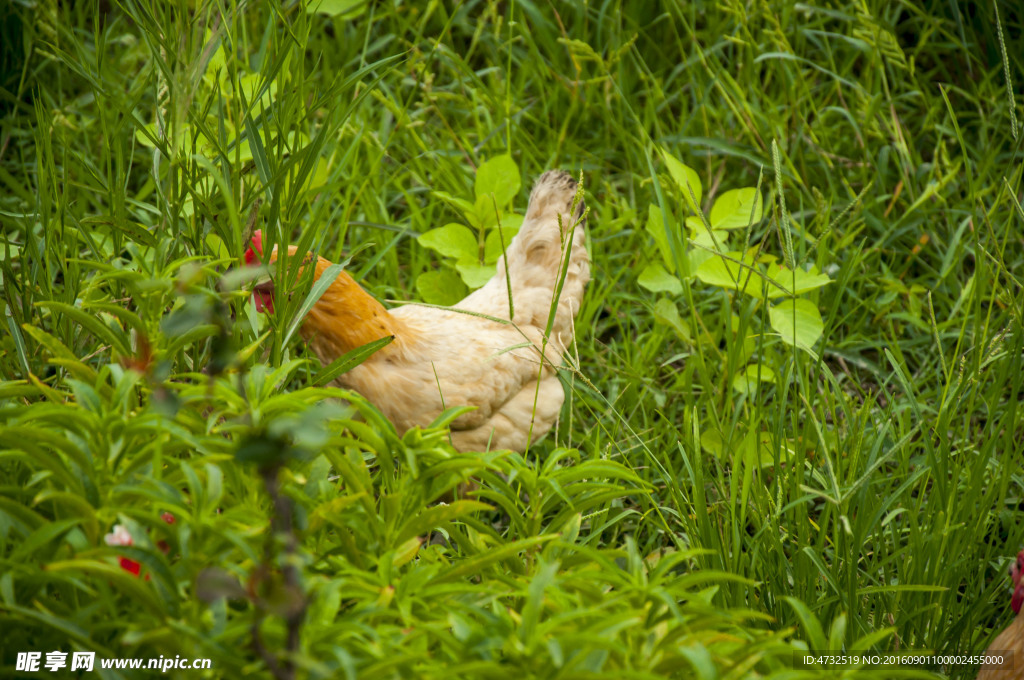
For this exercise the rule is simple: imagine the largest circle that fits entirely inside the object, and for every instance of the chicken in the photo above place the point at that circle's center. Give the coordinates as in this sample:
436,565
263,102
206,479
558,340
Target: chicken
445,357
1010,643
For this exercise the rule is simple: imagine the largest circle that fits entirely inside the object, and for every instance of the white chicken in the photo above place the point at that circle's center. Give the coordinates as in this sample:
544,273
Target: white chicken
445,357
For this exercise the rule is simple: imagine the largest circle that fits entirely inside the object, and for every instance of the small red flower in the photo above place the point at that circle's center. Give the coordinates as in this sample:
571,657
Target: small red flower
120,536
131,566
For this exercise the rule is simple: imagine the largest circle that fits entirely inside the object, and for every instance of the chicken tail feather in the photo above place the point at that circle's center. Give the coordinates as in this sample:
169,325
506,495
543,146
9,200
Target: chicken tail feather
547,258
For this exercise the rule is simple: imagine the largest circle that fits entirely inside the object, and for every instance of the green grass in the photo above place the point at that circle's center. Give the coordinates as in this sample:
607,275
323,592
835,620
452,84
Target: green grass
673,526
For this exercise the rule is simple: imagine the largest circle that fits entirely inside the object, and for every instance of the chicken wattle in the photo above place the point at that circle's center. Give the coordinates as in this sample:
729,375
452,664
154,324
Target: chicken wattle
445,357
1009,645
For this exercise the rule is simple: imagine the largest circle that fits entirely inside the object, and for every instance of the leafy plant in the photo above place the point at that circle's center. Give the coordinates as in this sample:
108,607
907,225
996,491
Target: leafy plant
752,272
475,249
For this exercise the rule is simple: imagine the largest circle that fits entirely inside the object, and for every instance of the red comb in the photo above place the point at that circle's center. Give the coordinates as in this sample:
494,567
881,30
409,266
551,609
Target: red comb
257,243
1016,574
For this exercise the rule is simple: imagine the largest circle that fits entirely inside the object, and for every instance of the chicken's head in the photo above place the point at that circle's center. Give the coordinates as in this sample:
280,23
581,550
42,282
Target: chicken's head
264,292
1016,574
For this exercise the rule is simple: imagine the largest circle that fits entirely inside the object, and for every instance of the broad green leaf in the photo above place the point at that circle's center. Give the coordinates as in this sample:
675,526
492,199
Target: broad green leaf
543,578
734,209
686,178
314,180
85,396
441,287
474,274
484,214
216,64
451,240
728,274
655,279
498,176
757,451
716,239
347,9
712,442
797,321
707,243
665,311
795,281
145,139
217,248
460,204
499,238
746,381
656,227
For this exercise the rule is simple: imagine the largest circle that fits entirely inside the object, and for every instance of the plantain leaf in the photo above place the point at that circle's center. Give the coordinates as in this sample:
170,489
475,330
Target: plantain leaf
665,311
794,281
441,287
498,177
798,322
746,382
730,274
686,178
451,240
737,208
498,240
345,9
656,227
475,274
655,279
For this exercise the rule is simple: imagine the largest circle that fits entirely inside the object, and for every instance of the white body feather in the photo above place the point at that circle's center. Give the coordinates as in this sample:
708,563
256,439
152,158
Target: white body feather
444,357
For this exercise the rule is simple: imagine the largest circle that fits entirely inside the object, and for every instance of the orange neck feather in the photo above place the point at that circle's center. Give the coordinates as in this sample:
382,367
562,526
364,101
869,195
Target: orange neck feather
346,317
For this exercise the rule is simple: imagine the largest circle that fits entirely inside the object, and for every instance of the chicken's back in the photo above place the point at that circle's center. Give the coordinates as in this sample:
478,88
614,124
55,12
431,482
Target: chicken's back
1010,645
551,232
